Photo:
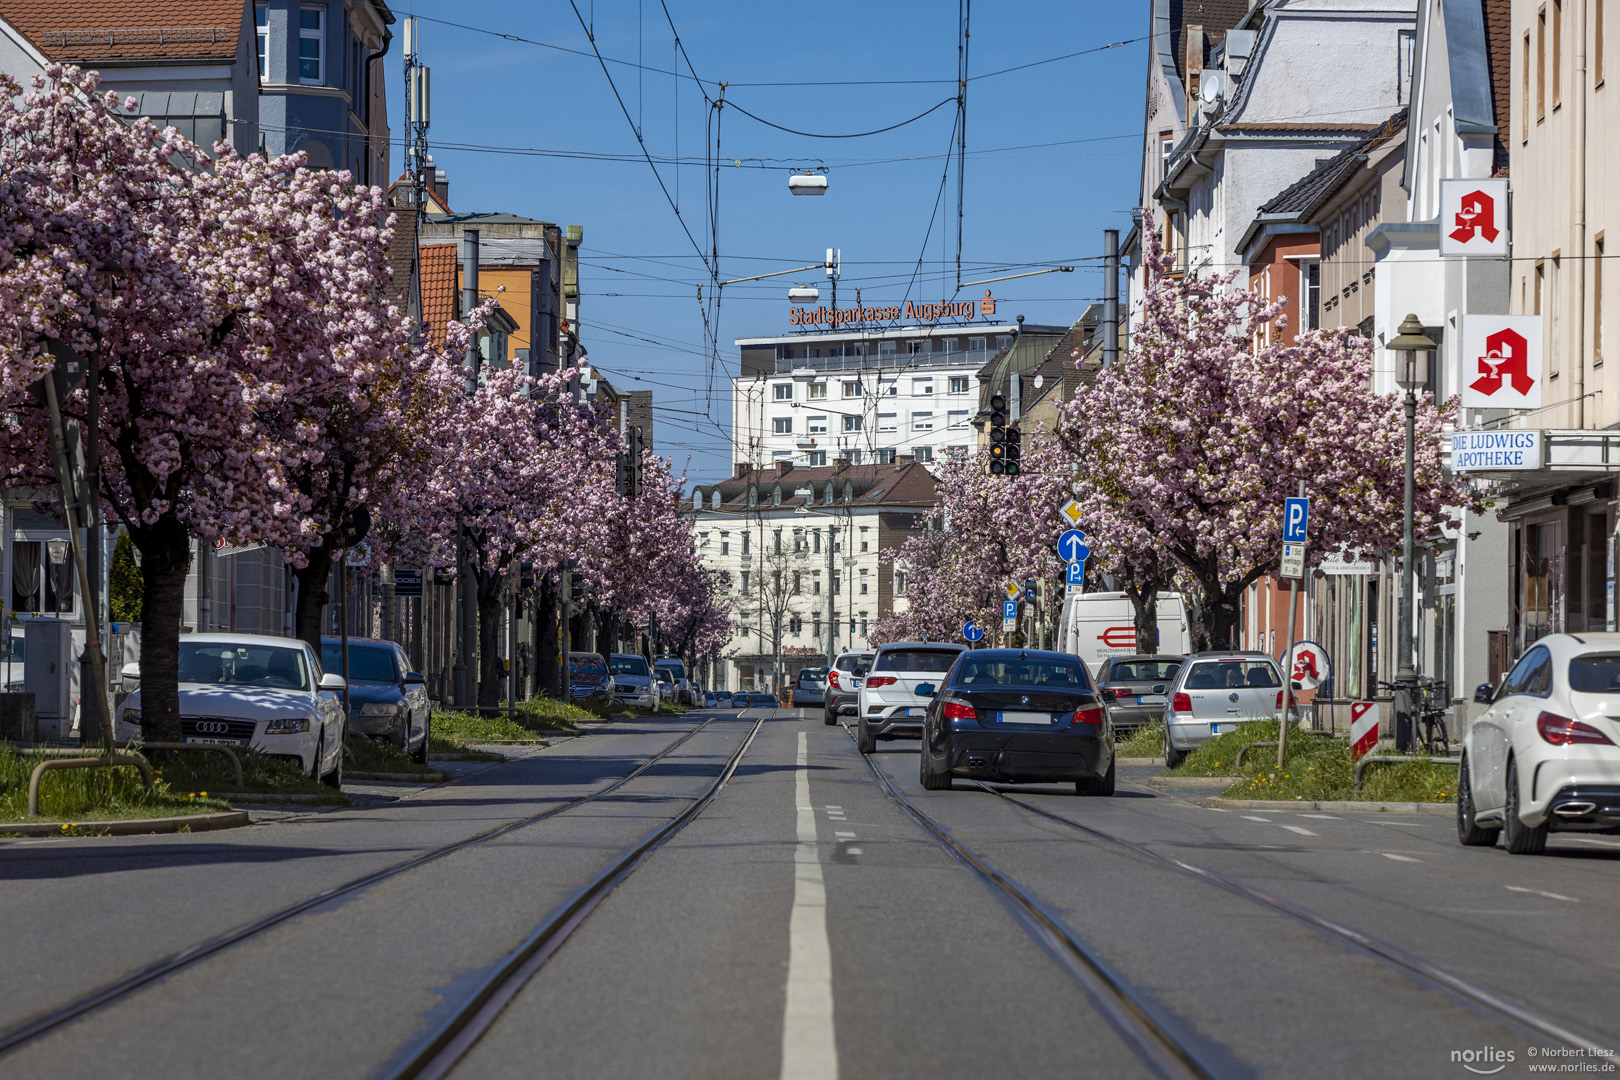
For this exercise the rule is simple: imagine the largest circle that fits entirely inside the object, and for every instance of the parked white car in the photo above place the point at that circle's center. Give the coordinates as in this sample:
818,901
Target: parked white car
895,695
253,690
1543,758
633,681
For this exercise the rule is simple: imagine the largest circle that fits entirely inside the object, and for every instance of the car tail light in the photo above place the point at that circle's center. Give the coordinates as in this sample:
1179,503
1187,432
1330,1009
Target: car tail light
957,710
1116,692
1181,703
1278,706
832,678
880,680
1087,715
1562,731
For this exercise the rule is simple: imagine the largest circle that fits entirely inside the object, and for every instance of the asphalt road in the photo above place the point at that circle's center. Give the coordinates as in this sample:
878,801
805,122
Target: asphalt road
803,925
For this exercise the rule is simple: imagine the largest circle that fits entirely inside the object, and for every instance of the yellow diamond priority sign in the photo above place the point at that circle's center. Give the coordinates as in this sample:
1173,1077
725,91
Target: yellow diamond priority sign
1014,591
1071,512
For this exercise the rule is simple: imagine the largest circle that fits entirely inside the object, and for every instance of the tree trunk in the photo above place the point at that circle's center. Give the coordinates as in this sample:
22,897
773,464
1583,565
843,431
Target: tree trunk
545,636
165,560
491,680
1145,603
1217,623
312,596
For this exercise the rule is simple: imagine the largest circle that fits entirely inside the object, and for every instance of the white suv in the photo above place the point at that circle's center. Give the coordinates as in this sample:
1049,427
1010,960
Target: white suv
897,690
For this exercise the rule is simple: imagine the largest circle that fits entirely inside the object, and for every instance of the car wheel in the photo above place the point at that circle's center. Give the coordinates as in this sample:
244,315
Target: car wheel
1518,837
933,779
1469,834
1096,785
320,754
828,716
1172,756
421,756
864,740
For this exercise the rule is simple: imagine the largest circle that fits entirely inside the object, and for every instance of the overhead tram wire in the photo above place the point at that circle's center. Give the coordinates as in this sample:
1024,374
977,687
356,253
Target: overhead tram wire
843,135
964,13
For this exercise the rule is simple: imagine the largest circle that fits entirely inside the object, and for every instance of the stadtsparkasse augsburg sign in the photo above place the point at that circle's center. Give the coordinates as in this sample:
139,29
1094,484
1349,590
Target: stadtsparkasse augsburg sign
1474,451
945,309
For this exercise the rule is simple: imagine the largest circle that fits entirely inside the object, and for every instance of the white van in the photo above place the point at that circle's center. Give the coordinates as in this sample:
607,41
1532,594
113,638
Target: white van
1097,625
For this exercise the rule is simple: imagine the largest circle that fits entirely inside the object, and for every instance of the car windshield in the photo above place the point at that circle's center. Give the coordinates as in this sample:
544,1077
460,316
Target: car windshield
589,664
812,678
1011,671
856,664
915,659
675,667
366,663
1144,671
1594,674
628,665
1233,674
223,664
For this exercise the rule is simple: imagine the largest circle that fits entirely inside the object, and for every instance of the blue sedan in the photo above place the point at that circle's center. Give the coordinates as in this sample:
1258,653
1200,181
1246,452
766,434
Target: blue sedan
387,700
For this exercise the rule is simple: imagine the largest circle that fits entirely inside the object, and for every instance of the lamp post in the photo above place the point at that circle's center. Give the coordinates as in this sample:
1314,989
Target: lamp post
832,598
1413,347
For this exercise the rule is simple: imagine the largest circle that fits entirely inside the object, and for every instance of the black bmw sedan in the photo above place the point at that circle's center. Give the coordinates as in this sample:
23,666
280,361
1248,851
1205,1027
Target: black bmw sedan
1016,716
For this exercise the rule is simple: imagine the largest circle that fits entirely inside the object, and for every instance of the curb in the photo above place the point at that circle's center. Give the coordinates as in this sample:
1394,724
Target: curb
1215,802
222,819
1139,760
268,797
1193,781
399,778
465,757
512,742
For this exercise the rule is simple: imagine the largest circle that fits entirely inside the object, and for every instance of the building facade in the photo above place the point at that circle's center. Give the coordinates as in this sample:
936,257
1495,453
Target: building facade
800,551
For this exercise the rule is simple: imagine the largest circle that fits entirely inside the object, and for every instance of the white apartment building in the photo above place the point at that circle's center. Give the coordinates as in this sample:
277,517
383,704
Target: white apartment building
800,552
871,396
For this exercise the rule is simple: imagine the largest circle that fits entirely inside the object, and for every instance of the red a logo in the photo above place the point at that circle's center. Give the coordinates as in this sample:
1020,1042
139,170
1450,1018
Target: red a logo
1476,216
1305,665
1507,358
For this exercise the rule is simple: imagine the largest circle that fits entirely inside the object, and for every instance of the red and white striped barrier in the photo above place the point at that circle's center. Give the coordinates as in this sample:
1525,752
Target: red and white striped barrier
1363,728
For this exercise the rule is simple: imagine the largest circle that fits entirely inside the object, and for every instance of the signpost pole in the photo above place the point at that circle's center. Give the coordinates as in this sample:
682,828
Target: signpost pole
1287,675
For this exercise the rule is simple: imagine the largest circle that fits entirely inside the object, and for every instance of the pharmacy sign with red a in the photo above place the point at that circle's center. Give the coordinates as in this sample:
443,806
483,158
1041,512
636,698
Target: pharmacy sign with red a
1473,217
1502,365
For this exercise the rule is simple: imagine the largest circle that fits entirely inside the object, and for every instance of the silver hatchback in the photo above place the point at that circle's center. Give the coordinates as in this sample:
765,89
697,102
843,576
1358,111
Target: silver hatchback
1213,693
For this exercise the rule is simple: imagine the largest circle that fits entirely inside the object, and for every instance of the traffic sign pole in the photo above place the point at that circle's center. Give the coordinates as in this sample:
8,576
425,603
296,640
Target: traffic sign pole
1291,528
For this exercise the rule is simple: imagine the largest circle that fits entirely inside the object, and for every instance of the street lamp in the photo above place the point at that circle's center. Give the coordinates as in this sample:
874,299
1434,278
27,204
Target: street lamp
1413,347
808,183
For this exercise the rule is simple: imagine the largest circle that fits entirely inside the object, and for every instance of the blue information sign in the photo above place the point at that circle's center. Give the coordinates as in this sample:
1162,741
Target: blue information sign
1009,609
1077,573
1072,546
1296,516
972,631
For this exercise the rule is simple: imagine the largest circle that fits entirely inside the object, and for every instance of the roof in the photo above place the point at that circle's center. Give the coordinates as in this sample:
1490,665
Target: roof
402,255
907,485
110,30
1499,56
1292,128
1063,370
1172,17
438,270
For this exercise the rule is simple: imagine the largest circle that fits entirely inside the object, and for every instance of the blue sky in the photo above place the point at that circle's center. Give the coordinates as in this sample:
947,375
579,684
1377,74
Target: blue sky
1053,155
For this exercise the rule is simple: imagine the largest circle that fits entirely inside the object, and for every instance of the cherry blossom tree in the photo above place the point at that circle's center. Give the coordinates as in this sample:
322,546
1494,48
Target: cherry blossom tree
1205,433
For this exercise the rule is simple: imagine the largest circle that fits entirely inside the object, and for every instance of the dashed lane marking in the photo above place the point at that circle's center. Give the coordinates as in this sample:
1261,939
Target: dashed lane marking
1541,892
1302,830
809,1048
1251,817
1323,817
1398,858
1591,840
844,835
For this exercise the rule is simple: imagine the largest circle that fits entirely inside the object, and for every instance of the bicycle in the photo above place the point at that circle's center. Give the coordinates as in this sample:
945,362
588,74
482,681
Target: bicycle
1428,702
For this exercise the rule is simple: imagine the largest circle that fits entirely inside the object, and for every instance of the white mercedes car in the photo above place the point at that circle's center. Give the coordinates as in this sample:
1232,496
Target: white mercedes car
256,691
1544,757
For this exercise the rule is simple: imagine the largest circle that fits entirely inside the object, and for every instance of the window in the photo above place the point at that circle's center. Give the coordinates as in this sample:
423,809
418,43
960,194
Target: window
1003,340
953,345
776,541
742,626
1524,96
959,384
798,582
920,348
818,391
816,425
1541,65
781,455
312,45
37,584
888,348
1557,52
800,543
865,543
725,543
1597,295
855,457
837,580
816,625
815,540
1597,42
884,457
922,387
891,388
1310,287
1165,146
745,576
818,457
958,451
1541,278
784,391
957,418
852,388
888,421
782,425
261,20
815,582
975,344
900,581
852,423
924,454
1552,320
747,542
922,421
863,620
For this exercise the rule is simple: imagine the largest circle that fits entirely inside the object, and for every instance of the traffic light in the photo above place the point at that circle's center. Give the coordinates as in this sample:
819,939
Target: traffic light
998,435
525,576
1014,447
576,588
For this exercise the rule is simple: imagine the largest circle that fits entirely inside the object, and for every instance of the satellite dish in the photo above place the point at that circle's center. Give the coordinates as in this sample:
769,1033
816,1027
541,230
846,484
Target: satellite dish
1040,381
1211,88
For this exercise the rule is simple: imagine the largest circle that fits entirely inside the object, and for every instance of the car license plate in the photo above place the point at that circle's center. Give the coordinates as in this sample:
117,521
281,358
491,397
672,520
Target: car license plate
1150,699
913,712
1043,719
1215,729
212,742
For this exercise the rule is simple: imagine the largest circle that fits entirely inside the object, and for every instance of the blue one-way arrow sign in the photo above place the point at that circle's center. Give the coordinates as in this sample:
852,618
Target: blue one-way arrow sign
1072,546
972,631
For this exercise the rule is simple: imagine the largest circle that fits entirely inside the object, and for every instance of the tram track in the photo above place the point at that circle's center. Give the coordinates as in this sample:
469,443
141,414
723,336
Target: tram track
144,977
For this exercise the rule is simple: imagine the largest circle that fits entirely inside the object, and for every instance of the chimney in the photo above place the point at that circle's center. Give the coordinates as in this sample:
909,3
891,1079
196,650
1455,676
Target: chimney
441,187
840,463
783,468
739,470
1194,65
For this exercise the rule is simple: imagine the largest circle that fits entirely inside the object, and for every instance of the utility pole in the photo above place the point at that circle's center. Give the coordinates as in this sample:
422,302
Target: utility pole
1110,317
1288,664
466,670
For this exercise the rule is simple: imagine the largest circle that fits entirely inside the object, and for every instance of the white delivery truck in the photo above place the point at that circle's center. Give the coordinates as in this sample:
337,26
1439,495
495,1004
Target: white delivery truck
1097,625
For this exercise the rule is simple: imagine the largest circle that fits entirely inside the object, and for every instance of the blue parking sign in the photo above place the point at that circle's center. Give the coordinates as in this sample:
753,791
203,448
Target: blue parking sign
1009,609
1296,516
1077,573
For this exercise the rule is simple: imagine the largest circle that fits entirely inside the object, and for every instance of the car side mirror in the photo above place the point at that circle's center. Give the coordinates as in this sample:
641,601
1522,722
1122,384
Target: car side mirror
332,681
1483,694
130,671
415,678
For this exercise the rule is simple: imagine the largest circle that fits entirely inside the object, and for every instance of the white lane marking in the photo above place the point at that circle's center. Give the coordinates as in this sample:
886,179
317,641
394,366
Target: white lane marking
844,835
1592,840
1299,829
1251,817
830,806
1324,817
1398,858
1541,892
852,851
809,1049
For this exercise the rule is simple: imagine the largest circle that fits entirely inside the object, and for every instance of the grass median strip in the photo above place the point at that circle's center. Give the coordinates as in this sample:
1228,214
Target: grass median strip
1317,769
79,797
